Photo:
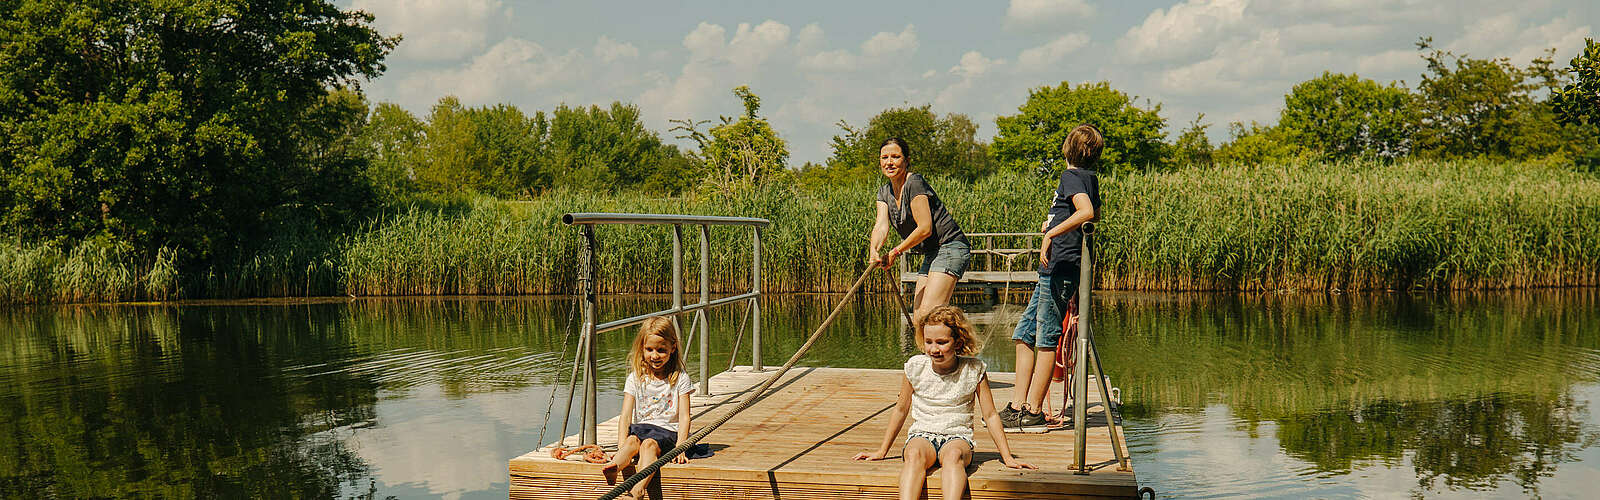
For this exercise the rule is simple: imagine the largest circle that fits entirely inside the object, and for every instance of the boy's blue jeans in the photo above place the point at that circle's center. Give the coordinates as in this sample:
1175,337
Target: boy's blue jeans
1041,321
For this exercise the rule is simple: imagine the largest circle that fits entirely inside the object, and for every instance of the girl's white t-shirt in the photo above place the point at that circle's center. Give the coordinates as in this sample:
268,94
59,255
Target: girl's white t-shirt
942,404
655,401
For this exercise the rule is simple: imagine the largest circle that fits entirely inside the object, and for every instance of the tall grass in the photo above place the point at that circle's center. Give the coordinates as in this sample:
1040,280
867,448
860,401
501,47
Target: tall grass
1313,226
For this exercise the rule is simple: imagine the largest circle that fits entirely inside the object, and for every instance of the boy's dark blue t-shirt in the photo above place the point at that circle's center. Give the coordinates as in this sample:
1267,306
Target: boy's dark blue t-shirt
1065,248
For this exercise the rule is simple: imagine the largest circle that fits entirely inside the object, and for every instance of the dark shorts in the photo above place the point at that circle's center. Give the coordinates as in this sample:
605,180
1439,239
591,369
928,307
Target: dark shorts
951,258
665,439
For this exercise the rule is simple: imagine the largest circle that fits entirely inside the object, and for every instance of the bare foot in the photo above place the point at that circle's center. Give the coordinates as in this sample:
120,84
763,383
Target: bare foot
610,471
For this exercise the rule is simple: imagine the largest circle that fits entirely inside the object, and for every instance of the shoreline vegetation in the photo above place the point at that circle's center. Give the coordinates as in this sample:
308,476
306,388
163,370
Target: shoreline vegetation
1307,226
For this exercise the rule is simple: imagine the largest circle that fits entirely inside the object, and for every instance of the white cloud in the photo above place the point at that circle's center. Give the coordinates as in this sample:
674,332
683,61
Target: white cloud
1184,30
1036,13
752,46
609,50
887,44
1046,56
707,41
1508,35
883,48
512,66
810,39
436,30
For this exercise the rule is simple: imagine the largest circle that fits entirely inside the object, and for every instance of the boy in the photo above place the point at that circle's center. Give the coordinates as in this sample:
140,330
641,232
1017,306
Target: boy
1076,201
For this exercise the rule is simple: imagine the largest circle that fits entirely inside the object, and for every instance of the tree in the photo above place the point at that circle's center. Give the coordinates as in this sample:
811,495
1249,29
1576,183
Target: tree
945,146
739,153
193,124
393,137
1032,138
1193,147
1255,145
1578,102
1486,107
491,149
1345,116
607,148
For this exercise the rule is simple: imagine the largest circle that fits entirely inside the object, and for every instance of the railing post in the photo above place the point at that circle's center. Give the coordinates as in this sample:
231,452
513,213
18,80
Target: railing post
590,423
1080,370
677,279
705,297
755,302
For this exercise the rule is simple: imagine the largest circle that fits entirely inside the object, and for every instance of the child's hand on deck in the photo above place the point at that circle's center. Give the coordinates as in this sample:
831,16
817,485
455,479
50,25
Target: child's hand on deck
876,455
682,458
1018,464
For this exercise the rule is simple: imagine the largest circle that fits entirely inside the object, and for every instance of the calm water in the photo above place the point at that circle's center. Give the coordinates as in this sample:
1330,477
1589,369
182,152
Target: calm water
1388,395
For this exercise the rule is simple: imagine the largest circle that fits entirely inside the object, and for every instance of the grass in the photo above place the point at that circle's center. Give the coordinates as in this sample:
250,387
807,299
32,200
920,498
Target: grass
1307,227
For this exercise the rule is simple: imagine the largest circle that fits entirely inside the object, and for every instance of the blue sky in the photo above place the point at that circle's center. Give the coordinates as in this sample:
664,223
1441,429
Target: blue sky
815,62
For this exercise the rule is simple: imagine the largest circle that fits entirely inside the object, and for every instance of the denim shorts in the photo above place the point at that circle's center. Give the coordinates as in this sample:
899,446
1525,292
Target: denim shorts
1040,325
951,258
939,440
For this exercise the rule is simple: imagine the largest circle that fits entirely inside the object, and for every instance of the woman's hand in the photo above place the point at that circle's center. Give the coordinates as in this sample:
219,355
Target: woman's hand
1018,464
873,259
888,260
876,455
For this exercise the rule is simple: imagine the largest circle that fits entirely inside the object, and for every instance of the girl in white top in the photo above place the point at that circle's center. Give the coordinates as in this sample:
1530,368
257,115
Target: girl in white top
655,402
939,389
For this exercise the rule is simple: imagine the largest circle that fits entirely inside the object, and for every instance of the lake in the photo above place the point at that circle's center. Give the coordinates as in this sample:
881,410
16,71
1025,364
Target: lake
1482,394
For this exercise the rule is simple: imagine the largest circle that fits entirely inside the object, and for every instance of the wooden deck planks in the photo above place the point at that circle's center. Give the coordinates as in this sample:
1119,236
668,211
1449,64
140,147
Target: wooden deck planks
797,443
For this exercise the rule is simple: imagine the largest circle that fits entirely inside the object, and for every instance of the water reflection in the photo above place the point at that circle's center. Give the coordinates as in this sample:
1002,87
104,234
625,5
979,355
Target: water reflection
1263,395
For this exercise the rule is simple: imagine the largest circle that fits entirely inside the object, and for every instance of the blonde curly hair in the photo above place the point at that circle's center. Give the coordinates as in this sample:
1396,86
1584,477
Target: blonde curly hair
967,343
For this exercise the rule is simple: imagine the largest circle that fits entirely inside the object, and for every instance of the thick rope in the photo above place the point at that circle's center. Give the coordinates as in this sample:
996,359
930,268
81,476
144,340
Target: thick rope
695,438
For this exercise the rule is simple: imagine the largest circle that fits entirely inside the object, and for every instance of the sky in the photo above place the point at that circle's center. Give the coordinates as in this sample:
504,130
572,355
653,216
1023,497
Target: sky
817,62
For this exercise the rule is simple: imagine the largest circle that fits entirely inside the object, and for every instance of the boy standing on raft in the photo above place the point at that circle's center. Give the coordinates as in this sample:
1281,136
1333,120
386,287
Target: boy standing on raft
1076,201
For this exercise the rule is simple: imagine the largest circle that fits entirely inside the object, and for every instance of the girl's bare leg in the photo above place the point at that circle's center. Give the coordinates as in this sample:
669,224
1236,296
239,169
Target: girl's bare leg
625,452
953,460
649,451
919,457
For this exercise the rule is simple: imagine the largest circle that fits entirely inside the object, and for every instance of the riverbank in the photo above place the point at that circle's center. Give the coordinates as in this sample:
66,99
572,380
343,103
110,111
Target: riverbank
1303,227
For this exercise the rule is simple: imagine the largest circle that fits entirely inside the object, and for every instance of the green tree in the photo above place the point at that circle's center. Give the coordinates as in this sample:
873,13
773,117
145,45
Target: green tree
945,146
1578,102
191,124
491,149
1032,138
1345,116
393,137
608,148
739,153
1255,145
1486,107
1193,147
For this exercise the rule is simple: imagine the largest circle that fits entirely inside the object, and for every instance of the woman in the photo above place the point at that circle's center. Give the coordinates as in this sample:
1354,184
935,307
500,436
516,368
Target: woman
908,204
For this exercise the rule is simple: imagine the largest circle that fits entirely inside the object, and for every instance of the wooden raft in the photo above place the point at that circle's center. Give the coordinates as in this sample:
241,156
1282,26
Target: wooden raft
797,441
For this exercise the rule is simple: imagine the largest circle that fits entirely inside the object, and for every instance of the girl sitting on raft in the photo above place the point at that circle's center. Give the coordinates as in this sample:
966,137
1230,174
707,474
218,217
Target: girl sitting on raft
655,401
939,388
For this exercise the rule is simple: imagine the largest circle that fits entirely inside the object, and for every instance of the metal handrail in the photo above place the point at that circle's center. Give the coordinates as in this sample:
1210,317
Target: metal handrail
590,218
587,280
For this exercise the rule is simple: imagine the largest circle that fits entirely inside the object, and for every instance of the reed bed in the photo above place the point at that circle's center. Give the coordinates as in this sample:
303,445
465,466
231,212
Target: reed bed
1306,227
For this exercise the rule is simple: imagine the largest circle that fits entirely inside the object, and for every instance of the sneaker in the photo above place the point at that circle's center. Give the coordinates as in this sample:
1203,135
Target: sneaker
1008,417
1031,421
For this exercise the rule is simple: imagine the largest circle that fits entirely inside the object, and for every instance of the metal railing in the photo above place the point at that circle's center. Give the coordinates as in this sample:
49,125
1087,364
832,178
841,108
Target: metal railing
984,244
586,280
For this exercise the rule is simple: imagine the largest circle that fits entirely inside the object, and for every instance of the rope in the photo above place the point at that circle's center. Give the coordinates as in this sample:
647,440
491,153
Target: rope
684,446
